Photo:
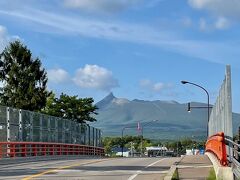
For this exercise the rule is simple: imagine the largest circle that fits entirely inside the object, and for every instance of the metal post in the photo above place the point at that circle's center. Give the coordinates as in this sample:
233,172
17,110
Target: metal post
20,126
142,143
56,130
69,132
100,142
49,130
99,137
8,124
63,130
96,137
93,136
41,128
208,107
31,127
208,113
94,149
89,135
85,134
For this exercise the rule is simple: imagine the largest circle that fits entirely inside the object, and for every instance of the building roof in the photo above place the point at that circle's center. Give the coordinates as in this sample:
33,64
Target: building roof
156,148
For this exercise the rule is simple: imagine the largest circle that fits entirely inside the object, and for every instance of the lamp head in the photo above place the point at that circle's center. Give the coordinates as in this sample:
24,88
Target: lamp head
184,82
189,107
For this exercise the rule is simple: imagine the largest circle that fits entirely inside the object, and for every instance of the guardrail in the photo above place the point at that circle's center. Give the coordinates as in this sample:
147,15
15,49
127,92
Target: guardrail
234,155
216,145
24,149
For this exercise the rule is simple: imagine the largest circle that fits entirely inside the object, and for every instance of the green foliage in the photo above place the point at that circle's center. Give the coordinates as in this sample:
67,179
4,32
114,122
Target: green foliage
71,107
177,146
24,79
110,142
175,175
212,175
184,144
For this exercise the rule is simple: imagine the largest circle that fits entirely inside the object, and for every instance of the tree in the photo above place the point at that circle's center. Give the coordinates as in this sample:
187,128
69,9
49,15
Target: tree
71,107
24,80
111,142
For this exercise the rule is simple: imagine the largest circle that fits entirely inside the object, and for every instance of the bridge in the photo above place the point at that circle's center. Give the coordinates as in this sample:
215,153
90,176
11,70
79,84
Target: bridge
37,146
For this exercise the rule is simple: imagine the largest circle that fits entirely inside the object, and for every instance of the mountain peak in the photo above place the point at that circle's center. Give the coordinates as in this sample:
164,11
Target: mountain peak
110,96
108,99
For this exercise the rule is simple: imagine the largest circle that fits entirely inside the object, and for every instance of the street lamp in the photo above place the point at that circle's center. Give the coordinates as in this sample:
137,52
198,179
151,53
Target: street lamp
142,133
186,82
122,135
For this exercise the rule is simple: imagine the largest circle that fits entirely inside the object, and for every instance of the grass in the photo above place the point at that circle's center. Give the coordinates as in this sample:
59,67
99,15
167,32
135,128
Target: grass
175,175
212,175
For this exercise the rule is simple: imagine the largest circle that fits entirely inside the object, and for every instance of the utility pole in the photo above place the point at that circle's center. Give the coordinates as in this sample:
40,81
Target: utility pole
131,148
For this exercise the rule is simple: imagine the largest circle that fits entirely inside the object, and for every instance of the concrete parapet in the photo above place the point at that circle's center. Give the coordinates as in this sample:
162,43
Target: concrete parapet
222,172
173,169
170,172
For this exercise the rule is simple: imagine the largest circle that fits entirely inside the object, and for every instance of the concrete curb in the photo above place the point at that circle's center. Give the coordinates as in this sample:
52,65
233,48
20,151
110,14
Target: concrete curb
222,173
172,170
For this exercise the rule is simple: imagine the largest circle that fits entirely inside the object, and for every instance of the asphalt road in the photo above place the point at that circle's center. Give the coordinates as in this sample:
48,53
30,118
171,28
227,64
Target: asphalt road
88,169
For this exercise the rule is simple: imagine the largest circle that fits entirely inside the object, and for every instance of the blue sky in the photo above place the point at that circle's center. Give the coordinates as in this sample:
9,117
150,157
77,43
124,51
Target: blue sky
138,49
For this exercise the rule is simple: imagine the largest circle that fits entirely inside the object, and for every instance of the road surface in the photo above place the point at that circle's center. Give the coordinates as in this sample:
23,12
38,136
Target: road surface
89,169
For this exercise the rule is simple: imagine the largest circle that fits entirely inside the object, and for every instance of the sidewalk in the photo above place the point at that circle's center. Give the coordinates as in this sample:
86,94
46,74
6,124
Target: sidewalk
194,167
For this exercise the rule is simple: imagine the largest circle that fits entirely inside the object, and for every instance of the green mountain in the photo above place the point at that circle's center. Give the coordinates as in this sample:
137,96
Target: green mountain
159,119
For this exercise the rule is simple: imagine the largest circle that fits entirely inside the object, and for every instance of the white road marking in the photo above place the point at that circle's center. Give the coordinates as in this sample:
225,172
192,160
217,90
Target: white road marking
183,166
154,163
139,172
135,175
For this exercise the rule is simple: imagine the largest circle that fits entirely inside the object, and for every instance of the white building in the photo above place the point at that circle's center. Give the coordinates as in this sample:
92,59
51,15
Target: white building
125,154
192,151
156,151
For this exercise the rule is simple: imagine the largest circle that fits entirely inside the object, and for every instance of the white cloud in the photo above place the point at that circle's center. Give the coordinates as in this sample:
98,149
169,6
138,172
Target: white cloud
126,32
105,6
222,23
158,87
58,75
223,11
4,37
161,86
145,83
95,77
222,8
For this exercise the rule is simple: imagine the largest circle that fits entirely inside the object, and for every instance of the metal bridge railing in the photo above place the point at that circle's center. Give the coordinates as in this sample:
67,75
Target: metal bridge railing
226,150
26,149
233,155
18,125
25,133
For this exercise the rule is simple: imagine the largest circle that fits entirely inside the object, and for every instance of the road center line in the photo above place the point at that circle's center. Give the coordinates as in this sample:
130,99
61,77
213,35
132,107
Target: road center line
139,172
63,167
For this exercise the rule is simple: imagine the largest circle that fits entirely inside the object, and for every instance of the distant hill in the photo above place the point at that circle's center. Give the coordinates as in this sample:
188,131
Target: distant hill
170,119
